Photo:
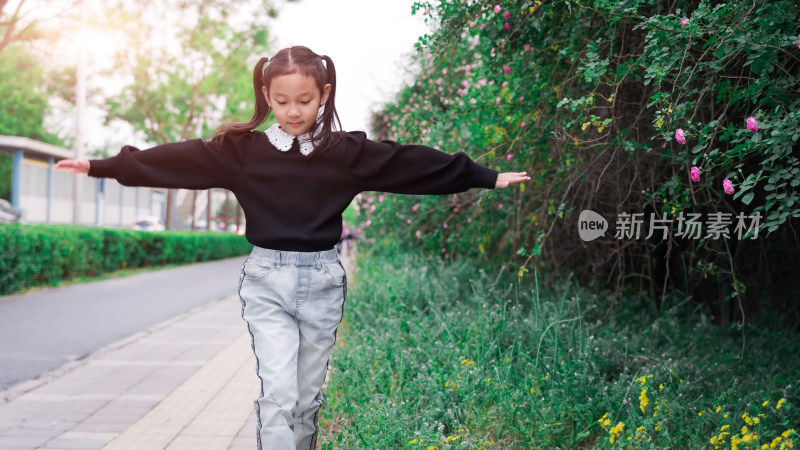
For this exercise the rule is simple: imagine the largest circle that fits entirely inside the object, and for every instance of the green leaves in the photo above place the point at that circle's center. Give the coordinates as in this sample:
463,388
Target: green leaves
41,255
177,95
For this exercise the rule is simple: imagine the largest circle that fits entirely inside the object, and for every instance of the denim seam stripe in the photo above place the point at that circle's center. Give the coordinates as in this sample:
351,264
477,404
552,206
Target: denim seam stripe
252,344
344,299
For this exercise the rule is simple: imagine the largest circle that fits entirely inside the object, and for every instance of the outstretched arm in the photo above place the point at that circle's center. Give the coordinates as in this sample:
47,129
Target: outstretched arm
192,164
75,165
507,178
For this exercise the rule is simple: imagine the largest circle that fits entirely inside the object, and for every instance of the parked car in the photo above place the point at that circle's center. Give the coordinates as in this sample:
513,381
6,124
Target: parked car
148,223
7,212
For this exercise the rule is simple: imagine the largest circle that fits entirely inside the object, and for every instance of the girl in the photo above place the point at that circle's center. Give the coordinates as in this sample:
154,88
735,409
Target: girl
293,182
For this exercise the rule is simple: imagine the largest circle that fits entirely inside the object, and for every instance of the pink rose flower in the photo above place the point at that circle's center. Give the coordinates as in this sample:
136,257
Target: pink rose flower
415,207
752,125
497,102
507,70
497,9
695,174
418,234
522,124
727,186
508,157
527,47
684,22
679,136
372,208
444,226
506,15
506,26
500,206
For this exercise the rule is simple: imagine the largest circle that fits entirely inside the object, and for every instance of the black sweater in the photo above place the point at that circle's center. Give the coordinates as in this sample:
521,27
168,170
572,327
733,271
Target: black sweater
293,203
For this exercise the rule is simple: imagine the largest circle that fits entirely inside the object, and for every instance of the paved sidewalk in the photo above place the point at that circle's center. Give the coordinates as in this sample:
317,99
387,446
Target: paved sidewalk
186,383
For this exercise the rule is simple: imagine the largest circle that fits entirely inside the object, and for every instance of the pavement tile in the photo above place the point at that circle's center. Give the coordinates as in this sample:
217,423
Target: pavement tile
22,441
187,383
94,401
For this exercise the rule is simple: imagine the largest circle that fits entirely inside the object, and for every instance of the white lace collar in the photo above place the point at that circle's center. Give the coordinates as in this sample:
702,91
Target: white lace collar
283,140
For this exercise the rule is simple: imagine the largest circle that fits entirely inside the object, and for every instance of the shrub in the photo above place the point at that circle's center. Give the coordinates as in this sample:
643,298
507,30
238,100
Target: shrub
43,255
587,96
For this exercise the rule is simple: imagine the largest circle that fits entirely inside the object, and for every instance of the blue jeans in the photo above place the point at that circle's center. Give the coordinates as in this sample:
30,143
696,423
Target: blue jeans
292,303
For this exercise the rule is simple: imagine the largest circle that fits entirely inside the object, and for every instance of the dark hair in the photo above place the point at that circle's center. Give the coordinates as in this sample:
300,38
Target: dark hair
285,62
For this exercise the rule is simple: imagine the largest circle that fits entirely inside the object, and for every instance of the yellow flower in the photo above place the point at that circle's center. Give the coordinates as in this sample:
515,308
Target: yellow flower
765,403
780,403
724,427
468,363
615,431
661,386
643,400
787,432
412,442
432,447
700,414
451,438
718,408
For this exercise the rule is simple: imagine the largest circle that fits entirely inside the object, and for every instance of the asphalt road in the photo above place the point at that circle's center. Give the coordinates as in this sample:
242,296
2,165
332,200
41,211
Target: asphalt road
40,331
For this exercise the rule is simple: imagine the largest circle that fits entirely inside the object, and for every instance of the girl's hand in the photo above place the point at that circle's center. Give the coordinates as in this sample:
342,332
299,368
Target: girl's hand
506,178
75,165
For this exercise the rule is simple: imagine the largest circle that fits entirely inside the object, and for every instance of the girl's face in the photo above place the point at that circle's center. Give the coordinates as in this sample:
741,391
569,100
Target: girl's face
295,100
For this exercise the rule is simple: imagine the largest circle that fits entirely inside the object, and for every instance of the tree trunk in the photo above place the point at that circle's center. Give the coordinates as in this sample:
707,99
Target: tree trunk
170,208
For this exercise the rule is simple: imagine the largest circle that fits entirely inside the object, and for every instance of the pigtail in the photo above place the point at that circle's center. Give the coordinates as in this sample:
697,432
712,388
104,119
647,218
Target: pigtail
329,121
259,115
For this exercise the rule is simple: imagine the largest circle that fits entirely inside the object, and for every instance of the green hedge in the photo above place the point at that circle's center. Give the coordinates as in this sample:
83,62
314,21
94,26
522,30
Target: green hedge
36,255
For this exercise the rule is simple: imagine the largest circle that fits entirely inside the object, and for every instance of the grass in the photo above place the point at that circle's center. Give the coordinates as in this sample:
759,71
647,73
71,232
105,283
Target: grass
437,355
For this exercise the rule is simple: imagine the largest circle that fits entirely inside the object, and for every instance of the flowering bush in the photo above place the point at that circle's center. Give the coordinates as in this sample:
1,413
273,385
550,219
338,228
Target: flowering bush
608,104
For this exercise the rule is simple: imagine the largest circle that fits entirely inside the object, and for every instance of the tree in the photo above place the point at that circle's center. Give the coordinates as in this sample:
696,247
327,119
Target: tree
19,22
23,102
187,72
